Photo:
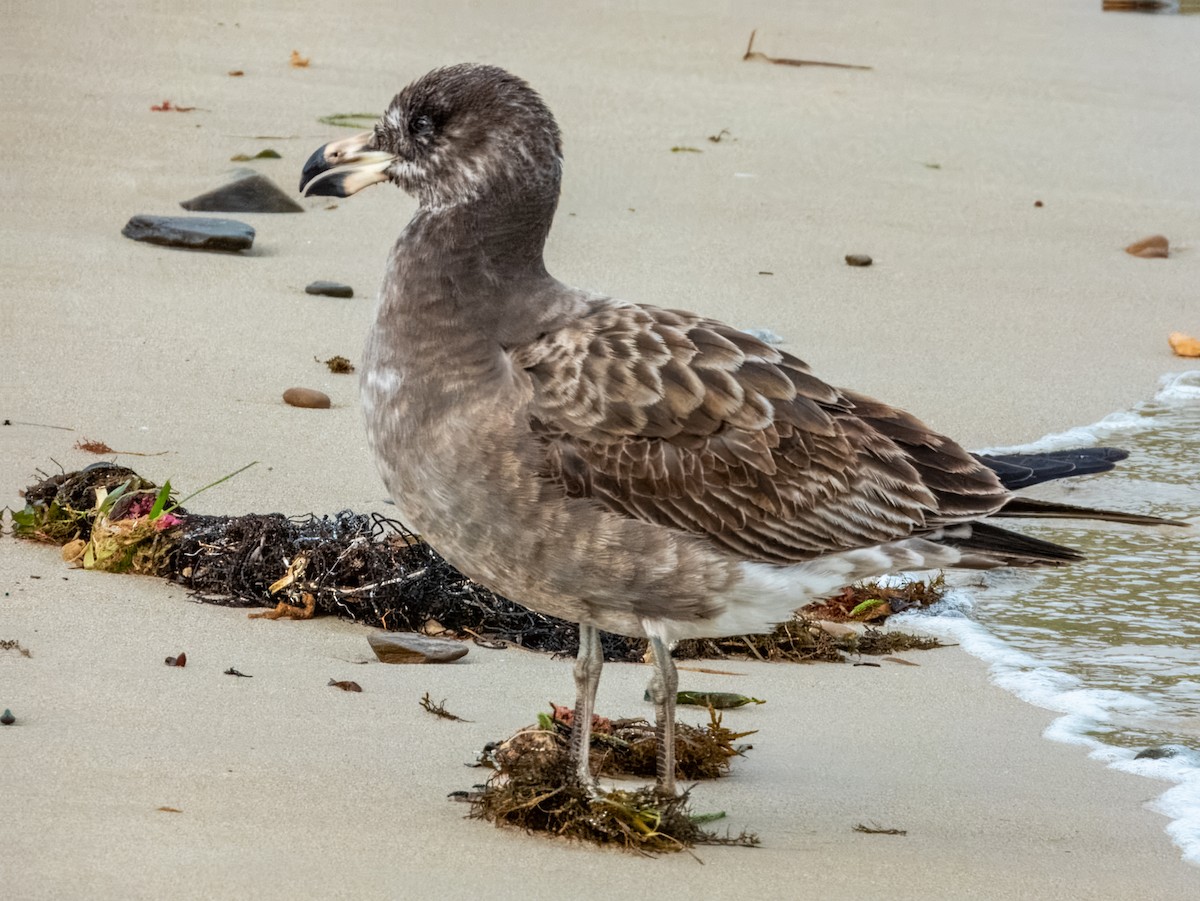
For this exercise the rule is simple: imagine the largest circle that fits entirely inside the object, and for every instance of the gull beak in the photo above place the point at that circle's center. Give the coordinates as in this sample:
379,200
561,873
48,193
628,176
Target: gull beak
342,168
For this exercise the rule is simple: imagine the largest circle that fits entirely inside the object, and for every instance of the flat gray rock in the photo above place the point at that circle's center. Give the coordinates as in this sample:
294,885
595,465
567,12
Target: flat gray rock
249,192
194,234
412,647
329,289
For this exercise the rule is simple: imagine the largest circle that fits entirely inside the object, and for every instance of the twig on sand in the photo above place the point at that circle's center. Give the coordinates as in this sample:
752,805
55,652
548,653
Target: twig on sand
751,53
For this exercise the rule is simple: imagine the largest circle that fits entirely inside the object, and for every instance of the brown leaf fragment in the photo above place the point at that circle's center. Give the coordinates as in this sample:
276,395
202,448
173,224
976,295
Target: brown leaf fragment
233,672
93,446
299,62
1184,345
181,660
1155,247
169,809
168,107
235,73
345,685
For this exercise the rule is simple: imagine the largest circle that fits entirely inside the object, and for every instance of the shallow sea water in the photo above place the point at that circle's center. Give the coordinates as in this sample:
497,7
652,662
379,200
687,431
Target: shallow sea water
1113,643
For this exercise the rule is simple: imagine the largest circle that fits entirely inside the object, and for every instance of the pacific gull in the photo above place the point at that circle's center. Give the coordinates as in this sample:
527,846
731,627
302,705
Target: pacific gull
646,471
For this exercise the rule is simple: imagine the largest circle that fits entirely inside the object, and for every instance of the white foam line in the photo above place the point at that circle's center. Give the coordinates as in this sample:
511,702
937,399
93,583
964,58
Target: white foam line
1083,709
1173,388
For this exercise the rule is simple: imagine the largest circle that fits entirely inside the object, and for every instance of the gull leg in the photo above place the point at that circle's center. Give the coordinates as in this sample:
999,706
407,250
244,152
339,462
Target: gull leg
663,687
588,663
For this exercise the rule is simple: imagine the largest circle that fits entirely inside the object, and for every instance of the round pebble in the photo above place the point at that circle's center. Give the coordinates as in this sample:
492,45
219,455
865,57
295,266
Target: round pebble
858,259
7,717
307,397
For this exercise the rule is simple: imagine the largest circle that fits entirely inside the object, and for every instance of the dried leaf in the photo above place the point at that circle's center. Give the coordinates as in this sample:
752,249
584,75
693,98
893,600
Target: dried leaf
235,73
1151,248
170,809
346,685
168,107
181,660
298,61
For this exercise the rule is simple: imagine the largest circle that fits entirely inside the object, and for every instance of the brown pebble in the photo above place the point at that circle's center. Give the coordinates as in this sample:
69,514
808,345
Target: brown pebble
1038,203
858,259
1152,248
181,660
307,397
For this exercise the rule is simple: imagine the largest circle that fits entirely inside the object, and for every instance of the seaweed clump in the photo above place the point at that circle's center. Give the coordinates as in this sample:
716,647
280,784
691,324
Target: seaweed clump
368,569
536,789
624,747
105,517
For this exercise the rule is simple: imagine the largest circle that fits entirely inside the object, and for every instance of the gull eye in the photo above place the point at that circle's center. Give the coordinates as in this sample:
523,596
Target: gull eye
421,126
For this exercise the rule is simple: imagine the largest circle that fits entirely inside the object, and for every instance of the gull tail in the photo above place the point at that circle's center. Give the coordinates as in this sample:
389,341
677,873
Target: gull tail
1022,470
1028,507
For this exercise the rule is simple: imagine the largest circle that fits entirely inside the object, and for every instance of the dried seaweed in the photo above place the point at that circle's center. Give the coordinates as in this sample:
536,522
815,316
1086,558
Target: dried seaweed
623,747
371,570
871,602
535,788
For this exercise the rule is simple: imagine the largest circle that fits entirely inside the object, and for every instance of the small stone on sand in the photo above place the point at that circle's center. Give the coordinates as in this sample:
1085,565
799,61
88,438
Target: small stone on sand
412,647
194,234
329,289
7,718
307,397
858,259
249,192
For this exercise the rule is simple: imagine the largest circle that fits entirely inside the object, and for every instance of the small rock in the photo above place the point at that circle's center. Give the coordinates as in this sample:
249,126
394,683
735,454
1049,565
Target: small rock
307,397
329,289
858,259
411,647
1152,248
194,234
7,718
1038,204
1156,753
249,192
1183,345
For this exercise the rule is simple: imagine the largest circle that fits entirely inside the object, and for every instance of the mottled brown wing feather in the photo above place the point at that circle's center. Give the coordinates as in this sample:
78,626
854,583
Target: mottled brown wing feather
686,422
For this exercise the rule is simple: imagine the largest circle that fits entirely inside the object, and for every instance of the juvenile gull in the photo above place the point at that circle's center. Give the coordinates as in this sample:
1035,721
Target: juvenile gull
646,471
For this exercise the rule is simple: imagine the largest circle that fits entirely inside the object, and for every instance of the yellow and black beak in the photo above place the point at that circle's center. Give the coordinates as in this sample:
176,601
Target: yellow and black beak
342,168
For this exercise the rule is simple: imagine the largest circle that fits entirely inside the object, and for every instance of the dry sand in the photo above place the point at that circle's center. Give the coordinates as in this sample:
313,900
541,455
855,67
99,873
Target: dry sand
990,318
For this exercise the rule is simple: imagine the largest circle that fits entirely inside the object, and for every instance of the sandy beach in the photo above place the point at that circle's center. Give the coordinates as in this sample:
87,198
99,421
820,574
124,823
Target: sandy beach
991,318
